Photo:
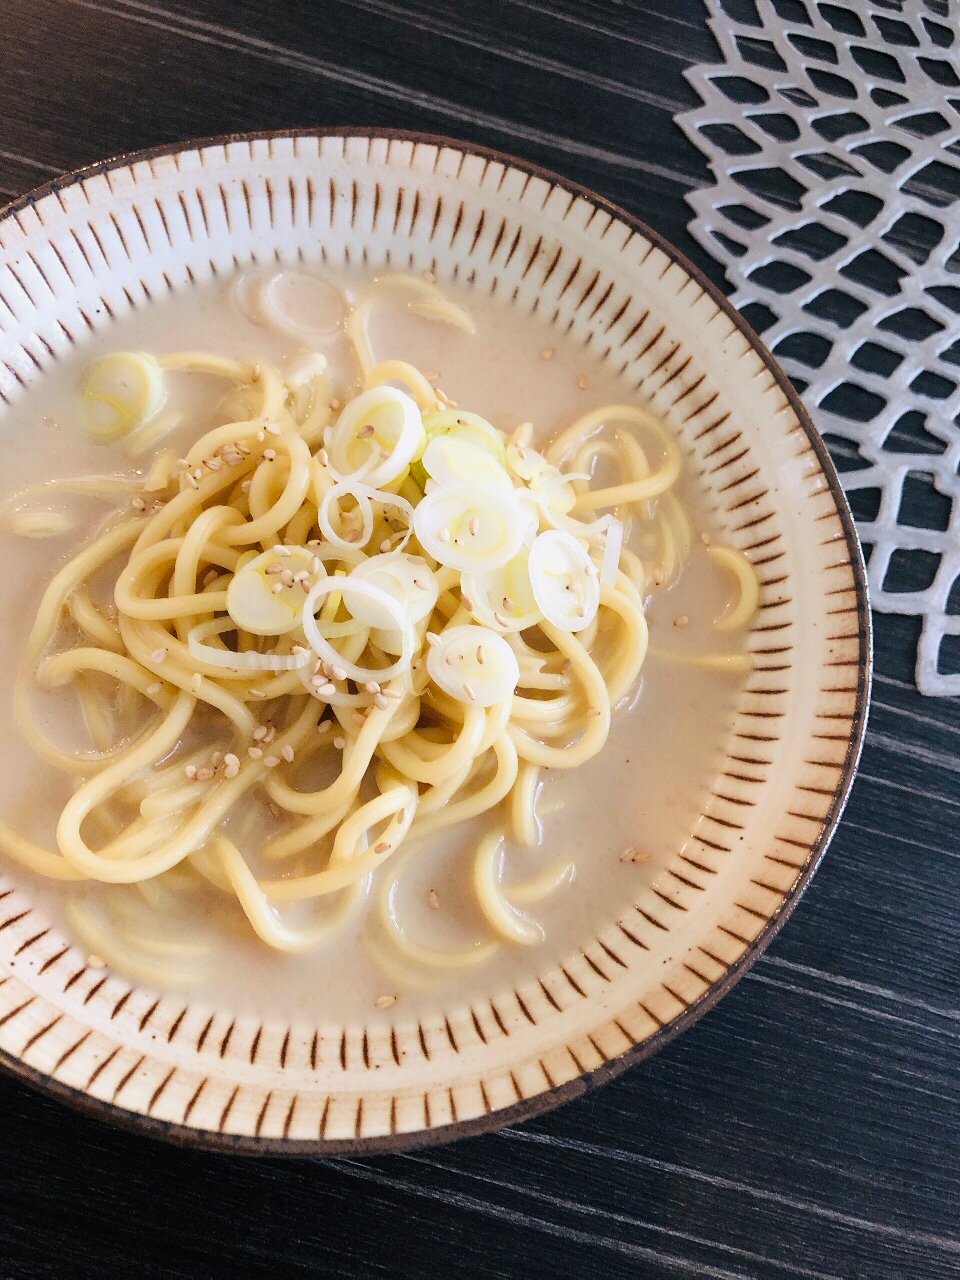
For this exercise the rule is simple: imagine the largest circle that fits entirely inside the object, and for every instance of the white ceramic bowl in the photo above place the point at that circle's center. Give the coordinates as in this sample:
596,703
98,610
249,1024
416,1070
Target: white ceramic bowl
77,255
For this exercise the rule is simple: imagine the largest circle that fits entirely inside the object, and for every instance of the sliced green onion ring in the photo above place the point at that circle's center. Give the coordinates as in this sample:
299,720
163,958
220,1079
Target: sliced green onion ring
474,665
565,581
326,652
217,657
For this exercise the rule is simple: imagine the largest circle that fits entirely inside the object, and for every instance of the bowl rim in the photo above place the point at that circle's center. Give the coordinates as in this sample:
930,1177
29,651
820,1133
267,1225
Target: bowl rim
241,1144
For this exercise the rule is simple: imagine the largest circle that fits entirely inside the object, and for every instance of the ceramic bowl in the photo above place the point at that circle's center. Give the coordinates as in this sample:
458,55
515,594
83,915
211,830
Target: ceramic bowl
77,255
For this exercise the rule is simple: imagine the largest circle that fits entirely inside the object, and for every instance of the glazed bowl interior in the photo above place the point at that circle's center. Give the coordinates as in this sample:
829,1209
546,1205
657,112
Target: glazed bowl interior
77,257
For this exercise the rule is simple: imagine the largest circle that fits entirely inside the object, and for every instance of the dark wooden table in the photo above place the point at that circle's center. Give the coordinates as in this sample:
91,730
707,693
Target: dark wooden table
810,1125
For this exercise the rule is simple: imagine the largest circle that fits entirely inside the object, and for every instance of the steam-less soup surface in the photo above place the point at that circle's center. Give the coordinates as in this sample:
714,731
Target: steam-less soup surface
448,912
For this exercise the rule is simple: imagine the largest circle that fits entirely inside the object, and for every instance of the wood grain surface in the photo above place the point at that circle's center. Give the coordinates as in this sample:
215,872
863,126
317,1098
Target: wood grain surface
810,1125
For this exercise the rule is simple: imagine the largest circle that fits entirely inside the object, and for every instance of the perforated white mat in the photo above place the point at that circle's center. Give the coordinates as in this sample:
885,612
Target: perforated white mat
834,134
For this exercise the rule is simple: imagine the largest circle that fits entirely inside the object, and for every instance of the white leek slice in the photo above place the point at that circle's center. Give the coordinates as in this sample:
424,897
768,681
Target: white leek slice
379,432
451,460
548,483
565,581
258,601
121,391
470,526
468,427
218,657
364,494
474,665
409,579
304,370
503,598
392,609
359,537
302,306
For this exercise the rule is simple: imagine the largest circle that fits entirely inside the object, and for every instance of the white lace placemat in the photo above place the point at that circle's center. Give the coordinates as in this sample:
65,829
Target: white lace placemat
833,130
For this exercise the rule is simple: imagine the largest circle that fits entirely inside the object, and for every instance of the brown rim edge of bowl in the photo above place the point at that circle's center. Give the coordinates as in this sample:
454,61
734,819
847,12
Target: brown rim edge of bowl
241,1144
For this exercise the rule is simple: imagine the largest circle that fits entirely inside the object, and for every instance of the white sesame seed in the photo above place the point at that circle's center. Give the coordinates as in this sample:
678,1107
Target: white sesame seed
183,464
190,481
257,693
381,701
339,673
231,770
191,771
260,733
480,657
231,758
254,753
432,638
271,733
339,743
433,900
213,464
96,962
276,588
508,604
384,1002
261,435
287,578
274,567
593,711
381,846
314,542
245,486
474,526
287,752
155,687
158,655
566,665
501,620
315,564
681,621
444,535
334,404
352,535
365,432
271,761
372,687
385,544
196,683
273,429
468,690
590,569
204,774
395,694
467,603
301,575
138,504
269,455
